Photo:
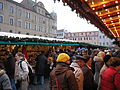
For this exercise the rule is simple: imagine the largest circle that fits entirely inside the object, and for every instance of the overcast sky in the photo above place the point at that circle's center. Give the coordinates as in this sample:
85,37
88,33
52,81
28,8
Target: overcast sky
66,19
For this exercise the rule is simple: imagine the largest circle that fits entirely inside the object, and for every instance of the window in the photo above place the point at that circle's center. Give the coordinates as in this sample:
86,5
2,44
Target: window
27,33
84,38
11,21
35,18
29,25
103,43
39,28
19,12
1,6
19,32
1,19
10,31
100,37
35,27
107,43
19,23
26,25
27,15
11,9
103,36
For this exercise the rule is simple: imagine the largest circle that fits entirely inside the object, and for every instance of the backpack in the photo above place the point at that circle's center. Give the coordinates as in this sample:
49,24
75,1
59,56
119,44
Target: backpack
31,72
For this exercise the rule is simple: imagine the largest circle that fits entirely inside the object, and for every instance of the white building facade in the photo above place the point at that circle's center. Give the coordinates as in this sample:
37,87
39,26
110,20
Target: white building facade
61,33
27,17
104,40
92,37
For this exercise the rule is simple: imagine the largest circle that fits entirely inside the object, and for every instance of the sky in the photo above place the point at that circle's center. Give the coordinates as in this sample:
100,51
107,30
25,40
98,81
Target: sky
66,19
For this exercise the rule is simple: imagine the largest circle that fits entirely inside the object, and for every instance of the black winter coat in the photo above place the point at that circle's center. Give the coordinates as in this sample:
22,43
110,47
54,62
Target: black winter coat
41,63
88,83
9,66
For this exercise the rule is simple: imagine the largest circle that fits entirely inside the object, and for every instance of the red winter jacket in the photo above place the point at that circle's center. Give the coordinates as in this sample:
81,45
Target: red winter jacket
110,80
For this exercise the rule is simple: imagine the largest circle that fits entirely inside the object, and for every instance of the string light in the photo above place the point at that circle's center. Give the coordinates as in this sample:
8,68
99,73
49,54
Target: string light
118,12
109,15
112,32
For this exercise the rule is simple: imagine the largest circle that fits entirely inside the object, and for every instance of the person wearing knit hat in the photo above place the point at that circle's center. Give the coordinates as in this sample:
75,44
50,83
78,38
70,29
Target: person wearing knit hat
63,57
62,77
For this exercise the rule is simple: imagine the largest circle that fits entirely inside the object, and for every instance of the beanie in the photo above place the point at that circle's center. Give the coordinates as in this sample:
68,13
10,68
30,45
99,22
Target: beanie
63,57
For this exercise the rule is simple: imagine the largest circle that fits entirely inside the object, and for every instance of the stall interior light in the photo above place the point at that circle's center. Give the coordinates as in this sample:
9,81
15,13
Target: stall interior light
118,12
86,0
117,7
96,12
116,1
104,5
106,9
93,3
110,17
93,8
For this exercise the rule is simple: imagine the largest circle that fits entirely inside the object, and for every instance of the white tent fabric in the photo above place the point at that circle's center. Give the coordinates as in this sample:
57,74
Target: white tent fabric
30,36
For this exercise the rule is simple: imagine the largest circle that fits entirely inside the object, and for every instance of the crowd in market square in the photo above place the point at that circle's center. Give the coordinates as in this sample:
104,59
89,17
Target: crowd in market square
81,69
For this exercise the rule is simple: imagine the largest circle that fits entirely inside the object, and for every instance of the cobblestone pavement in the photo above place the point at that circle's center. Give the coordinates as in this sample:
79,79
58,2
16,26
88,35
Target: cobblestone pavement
40,87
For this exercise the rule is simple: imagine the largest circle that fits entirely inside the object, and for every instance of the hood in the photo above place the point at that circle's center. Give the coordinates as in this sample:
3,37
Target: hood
61,68
2,71
74,64
97,58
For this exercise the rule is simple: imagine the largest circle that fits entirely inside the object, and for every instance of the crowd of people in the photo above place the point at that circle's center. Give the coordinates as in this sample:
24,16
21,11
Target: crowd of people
82,69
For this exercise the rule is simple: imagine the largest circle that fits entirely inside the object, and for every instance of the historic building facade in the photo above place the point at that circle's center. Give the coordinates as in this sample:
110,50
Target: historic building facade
88,37
92,37
27,17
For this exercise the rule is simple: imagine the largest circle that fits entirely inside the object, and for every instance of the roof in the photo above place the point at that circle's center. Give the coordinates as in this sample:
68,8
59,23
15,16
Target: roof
104,14
31,9
31,36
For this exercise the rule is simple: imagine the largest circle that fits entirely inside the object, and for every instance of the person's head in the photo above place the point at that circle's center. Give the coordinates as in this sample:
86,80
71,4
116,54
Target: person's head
101,54
115,62
63,57
80,61
106,59
87,60
19,56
